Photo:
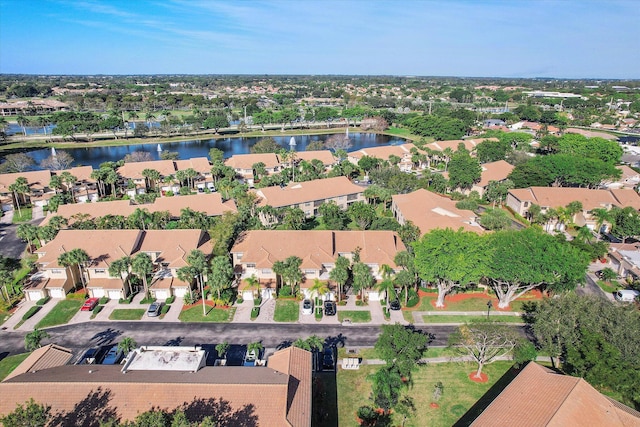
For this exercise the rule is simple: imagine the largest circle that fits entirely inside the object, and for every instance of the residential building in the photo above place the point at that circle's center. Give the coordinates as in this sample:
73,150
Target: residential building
629,178
428,211
168,250
84,189
469,144
402,151
325,156
310,195
539,396
521,199
166,378
167,168
255,252
243,165
494,171
624,259
32,106
39,191
211,204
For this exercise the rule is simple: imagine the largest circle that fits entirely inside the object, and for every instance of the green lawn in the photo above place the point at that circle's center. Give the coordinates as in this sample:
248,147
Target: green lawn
286,311
219,315
609,288
471,304
127,314
61,313
369,353
462,319
24,215
8,364
458,396
355,316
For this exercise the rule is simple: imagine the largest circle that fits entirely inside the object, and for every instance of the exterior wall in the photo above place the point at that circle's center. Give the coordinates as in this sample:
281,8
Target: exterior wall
517,206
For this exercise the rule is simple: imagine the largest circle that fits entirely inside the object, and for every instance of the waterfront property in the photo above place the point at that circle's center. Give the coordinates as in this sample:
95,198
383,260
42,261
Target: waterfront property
38,192
402,152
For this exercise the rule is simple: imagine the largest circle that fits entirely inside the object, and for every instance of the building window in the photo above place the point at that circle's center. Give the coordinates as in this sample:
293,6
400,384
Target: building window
238,256
352,197
56,271
100,271
251,266
310,272
266,271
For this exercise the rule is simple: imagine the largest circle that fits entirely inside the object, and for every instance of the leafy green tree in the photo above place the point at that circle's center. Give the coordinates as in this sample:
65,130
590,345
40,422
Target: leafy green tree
221,274
492,151
485,342
524,260
33,339
387,386
495,219
362,277
119,267
266,145
497,191
293,218
464,170
450,259
626,222
333,217
362,214
401,347
31,414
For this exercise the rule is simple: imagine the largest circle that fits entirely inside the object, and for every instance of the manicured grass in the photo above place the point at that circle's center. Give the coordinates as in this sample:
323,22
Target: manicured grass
127,314
24,215
405,133
355,316
8,364
286,311
194,314
458,396
369,353
61,313
609,288
462,319
471,304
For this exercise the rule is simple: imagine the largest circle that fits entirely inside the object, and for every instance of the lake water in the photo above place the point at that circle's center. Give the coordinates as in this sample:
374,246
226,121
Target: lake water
94,156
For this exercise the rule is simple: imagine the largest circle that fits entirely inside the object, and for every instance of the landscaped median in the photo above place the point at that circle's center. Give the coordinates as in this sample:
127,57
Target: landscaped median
355,316
61,313
193,313
287,310
127,314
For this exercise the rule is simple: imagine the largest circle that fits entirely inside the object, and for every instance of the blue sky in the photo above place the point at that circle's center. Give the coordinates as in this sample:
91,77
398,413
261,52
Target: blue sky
510,38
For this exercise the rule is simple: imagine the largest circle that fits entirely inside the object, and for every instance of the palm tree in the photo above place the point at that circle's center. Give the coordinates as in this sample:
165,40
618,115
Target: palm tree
198,261
221,274
18,188
222,349
28,233
255,347
80,257
601,215
253,283
152,177
32,340
142,266
319,287
387,287
120,266
340,274
127,345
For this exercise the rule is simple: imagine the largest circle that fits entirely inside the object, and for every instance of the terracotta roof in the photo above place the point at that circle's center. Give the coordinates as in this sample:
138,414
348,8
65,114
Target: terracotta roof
246,161
324,156
45,357
105,283
469,144
174,245
494,171
428,211
134,170
37,180
541,397
199,164
317,247
383,152
266,396
627,172
82,173
308,191
590,199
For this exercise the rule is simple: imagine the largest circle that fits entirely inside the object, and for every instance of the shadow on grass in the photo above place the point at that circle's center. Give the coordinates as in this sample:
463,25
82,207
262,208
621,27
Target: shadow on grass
488,397
325,400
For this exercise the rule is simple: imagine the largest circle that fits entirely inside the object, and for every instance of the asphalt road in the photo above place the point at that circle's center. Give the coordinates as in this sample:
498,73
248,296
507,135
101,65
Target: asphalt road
80,336
590,288
10,245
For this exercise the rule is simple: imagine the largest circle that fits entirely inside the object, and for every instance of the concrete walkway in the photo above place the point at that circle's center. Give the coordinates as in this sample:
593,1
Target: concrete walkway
30,323
444,359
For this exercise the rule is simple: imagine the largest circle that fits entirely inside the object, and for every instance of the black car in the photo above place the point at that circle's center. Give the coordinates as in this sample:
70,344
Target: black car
328,359
394,305
329,308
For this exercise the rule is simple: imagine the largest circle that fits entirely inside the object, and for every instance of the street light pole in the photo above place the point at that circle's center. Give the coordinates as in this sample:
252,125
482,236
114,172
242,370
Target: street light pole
489,305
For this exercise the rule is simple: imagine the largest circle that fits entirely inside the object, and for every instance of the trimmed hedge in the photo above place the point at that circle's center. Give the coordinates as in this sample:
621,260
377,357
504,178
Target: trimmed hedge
170,300
103,300
255,311
239,300
257,301
165,309
43,301
33,310
126,300
318,313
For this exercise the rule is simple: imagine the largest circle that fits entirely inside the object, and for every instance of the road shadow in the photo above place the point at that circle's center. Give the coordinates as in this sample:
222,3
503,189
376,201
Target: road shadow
325,400
106,336
174,342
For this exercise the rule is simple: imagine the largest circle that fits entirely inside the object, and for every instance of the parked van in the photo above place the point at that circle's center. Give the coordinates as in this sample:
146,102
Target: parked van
626,295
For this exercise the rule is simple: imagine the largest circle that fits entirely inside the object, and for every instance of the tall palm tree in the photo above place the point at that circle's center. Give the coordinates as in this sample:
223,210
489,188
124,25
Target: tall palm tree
340,274
142,266
319,287
253,283
387,287
80,258
19,188
601,216
27,232
127,345
119,267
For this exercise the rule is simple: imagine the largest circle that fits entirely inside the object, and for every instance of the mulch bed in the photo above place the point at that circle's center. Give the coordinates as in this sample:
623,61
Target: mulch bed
531,295
483,377
207,302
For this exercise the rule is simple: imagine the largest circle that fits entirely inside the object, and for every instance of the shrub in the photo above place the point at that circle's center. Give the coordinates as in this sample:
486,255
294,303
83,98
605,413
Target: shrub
43,301
385,312
239,300
33,310
103,300
165,308
342,302
414,299
227,296
368,415
285,291
168,193
170,300
319,313
126,300
97,309
361,303
255,311
148,300
257,301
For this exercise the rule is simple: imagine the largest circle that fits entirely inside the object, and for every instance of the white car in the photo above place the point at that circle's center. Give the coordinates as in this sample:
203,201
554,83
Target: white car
307,306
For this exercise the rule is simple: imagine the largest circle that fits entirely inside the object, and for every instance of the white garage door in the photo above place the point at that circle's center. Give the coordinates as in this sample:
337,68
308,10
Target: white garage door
248,295
34,295
115,294
266,293
180,292
374,296
162,294
57,293
98,293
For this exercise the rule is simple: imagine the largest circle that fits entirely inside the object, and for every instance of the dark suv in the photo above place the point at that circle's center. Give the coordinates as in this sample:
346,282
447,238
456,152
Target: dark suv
329,308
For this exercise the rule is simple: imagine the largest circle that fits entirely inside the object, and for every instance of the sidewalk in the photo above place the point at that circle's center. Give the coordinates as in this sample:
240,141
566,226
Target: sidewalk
30,323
